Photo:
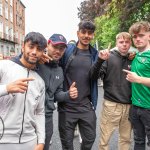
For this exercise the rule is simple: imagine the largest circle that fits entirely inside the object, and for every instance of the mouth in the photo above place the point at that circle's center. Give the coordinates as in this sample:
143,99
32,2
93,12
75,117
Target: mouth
85,39
33,58
57,56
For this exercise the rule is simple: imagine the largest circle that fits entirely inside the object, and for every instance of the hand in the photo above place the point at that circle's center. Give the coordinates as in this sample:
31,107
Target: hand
73,92
104,54
39,147
132,76
45,58
131,55
18,86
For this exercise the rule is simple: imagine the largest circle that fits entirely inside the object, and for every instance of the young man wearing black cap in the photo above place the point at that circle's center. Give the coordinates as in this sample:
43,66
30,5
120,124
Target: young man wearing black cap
76,63
52,74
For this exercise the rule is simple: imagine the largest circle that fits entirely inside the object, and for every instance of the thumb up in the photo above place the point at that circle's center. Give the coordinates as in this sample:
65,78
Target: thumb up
73,92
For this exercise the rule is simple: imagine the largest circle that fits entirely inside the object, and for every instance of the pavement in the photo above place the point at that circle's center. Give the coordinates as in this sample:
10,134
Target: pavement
56,144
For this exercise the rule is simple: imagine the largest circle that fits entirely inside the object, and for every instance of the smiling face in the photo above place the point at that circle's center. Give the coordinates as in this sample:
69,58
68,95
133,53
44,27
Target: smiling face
84,36
31,54
56,51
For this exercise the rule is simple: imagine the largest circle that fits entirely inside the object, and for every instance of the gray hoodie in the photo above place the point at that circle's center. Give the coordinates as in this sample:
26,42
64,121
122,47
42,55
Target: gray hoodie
22,114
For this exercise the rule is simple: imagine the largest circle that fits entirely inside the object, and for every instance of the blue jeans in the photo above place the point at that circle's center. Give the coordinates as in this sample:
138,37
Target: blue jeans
140,119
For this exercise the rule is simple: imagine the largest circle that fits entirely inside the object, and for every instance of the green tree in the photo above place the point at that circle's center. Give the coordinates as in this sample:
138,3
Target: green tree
113,16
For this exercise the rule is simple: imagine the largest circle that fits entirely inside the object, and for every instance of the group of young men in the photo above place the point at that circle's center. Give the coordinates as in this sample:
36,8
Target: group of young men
31,83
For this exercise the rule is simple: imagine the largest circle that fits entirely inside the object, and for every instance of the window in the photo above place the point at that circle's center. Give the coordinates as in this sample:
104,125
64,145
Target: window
11,33
6,32
1,29
1,9
7,51
11,15
2,49
20,39
6,12
11,2
1,26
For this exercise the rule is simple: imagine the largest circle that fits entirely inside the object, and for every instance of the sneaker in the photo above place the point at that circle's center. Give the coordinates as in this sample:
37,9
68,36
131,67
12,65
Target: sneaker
50,143
76,133
80,139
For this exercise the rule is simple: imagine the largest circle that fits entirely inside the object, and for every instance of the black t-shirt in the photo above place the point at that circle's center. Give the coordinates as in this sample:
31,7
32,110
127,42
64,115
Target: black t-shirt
78,71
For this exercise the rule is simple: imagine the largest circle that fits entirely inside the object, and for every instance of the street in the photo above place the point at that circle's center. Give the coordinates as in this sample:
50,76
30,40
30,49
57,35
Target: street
56,145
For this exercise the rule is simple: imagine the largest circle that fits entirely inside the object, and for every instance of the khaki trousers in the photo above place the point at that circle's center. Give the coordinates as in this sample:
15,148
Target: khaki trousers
115,115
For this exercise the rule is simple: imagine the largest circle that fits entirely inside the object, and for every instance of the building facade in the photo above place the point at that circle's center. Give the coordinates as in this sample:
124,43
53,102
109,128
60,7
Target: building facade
12,27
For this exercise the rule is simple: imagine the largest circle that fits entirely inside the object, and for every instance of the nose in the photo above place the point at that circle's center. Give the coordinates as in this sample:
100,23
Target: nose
86,34
34,50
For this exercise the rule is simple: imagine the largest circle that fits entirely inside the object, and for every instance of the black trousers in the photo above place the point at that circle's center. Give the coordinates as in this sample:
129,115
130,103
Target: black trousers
87,127
48,130
140,119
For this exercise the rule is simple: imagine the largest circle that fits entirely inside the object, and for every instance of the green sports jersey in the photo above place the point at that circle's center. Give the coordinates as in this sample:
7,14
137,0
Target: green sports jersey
140,92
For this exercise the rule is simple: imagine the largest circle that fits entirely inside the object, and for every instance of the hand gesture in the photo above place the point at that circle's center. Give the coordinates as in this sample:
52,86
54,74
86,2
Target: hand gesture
18,86
73,92
131,76
45,58
131,55
104,54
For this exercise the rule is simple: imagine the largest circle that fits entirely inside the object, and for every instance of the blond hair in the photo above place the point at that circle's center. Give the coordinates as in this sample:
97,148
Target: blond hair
124,35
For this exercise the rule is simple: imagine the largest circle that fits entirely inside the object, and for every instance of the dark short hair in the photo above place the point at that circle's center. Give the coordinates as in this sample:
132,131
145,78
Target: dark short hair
36,38
87,24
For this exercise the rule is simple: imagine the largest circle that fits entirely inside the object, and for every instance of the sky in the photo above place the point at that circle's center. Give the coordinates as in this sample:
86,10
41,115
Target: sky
52,16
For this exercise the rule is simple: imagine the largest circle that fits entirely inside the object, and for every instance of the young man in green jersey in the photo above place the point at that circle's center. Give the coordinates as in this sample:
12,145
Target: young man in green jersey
140,78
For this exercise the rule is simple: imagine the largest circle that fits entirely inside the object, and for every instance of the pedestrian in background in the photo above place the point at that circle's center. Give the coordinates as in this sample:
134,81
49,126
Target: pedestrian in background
52,74
22,94
117,92
140,78
76,63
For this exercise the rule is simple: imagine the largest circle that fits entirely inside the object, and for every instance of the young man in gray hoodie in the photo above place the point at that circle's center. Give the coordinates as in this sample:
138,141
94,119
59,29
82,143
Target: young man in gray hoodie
22,95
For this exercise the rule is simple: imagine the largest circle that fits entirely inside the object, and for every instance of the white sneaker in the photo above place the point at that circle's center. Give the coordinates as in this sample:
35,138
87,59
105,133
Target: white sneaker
50,143
80,139
76,132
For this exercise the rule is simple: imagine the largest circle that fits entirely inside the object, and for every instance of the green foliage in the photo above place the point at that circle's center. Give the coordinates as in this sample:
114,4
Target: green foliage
106,30
135,10
107,26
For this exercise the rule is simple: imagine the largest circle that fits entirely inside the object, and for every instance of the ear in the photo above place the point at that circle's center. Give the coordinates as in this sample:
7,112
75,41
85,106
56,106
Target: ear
77,33
23,47
149,36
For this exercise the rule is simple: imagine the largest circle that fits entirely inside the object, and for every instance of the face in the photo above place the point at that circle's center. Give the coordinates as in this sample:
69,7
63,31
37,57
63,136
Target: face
141,40
85,36
56,51
123,45
31,53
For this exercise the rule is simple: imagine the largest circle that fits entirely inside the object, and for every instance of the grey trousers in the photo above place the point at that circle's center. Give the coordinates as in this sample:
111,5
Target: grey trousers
23,146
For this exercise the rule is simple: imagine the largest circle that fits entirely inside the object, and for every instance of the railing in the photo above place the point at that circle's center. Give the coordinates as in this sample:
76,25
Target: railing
8,37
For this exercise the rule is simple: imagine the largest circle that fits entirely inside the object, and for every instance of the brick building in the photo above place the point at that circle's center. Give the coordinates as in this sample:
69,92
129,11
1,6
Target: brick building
12,26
